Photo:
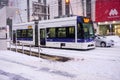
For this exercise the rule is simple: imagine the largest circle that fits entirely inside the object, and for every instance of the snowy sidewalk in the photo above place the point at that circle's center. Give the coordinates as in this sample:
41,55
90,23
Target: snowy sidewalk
98,64
22,64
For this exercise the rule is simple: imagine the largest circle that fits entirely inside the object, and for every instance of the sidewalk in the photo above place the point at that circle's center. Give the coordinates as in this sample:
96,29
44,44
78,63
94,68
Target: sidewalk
3,44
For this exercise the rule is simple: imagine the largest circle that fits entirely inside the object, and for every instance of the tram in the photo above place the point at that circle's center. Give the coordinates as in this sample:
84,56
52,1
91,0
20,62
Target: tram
75,32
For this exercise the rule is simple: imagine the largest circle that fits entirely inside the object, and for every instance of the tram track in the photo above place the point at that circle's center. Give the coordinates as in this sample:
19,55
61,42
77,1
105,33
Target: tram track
42,55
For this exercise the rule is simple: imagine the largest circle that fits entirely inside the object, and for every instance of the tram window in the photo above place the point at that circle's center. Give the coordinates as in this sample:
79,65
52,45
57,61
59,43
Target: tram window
51,32
42,33
80,31
88,30
85,29
71,30
29,33
62,32
71,33
23,33
18,33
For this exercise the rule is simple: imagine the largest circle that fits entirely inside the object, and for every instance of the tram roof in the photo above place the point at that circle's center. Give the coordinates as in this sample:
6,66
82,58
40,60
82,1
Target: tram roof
59,19
50,20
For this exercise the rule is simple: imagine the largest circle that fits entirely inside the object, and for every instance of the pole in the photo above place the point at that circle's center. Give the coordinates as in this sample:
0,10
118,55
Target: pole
30,50
67,7
39,51
10,45
16,46
71,9
9,23
28,10
22,48
36,33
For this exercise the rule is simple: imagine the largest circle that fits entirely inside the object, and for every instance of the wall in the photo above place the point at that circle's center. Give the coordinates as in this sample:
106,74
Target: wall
3,17
107,10
76,7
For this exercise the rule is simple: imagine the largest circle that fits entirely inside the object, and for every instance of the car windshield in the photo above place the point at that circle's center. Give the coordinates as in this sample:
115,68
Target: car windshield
88,30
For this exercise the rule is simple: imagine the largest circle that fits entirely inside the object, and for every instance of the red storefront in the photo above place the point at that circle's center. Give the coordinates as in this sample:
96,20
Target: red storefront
108,16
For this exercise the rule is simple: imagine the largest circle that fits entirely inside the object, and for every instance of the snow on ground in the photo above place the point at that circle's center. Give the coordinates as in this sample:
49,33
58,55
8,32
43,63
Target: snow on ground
97,64
116,39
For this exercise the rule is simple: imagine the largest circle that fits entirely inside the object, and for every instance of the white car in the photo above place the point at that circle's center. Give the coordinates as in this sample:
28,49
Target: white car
103,41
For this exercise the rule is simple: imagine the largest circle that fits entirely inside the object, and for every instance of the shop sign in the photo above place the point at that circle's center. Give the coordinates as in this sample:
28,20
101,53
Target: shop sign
107,10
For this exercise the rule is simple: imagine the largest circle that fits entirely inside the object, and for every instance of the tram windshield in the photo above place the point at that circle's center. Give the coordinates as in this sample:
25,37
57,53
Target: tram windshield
88,30
85,31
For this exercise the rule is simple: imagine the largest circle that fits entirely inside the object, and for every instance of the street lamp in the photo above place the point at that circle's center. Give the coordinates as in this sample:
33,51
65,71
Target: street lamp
67,2
67,7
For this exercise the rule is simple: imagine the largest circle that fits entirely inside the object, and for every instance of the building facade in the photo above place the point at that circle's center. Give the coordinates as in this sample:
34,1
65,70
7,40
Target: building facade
56,9
104,13
3,3
29,10
59,8
107,15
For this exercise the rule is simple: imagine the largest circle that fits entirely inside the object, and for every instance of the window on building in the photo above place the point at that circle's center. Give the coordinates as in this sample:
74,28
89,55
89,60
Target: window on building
39,0
104,30
88,8
3,3
59,7
117,29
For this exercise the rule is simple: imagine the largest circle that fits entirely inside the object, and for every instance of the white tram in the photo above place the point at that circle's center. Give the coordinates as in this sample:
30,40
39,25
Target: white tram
74,32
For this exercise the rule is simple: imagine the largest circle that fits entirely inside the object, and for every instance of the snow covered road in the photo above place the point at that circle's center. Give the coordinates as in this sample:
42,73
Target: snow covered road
97,64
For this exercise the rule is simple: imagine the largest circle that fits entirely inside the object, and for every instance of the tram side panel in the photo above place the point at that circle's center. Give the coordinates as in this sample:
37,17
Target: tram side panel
60,33
57,34
25,33
53,39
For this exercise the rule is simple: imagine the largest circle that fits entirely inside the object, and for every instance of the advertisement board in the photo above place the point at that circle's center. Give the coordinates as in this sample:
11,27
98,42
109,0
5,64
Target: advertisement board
107,10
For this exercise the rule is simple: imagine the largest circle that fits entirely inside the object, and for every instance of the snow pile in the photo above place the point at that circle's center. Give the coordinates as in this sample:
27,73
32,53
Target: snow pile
115,38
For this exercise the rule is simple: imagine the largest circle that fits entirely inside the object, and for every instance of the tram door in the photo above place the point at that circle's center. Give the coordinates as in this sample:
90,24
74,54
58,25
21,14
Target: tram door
42,37
14,36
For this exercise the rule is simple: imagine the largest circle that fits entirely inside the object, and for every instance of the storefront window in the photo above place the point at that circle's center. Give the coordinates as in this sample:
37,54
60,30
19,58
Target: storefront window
113,29
117,29
104,30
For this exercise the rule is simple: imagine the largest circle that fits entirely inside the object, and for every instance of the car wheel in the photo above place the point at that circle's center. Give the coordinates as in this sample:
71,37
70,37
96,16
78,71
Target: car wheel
103,44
